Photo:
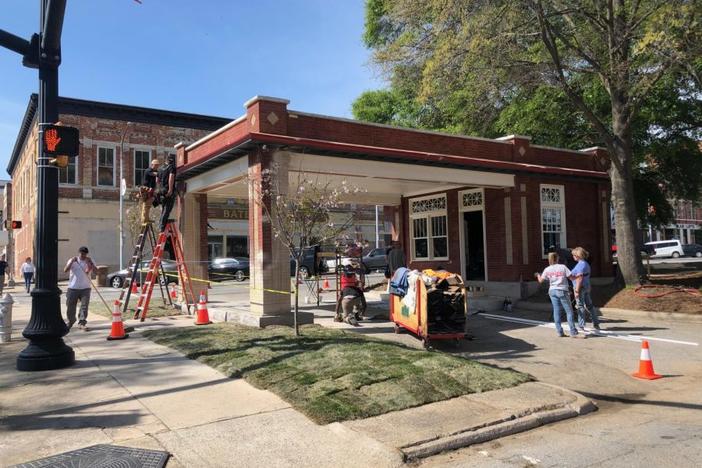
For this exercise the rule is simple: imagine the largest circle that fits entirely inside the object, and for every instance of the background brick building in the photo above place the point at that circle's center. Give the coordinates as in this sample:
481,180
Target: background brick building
89,186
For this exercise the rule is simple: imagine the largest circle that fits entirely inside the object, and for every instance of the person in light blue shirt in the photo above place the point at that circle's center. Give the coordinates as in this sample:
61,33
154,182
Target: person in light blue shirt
580,275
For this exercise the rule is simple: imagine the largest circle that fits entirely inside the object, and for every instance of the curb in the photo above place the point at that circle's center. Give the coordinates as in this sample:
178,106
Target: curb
512,424
668,316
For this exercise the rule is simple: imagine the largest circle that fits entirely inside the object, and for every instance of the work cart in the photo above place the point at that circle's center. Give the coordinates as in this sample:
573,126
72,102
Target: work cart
440,312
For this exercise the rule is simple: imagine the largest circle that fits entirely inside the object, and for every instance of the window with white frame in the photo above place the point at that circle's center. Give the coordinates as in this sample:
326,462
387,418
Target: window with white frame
429,228
142,159
69,174
106,167
553,226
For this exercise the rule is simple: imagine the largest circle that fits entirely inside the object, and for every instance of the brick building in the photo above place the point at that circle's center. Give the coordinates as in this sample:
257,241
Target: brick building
89,186
488,209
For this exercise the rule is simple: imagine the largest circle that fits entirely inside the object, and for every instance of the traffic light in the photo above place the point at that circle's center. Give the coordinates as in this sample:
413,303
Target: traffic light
60,140
15,224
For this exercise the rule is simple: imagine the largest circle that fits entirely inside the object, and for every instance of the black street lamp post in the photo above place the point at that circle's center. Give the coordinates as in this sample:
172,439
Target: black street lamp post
46,349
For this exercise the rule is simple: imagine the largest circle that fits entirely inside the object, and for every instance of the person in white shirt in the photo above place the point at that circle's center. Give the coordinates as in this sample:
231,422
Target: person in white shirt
557,276
78,269
27,269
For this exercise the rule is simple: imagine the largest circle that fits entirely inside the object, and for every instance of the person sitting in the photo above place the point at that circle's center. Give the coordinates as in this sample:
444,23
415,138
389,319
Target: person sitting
350,298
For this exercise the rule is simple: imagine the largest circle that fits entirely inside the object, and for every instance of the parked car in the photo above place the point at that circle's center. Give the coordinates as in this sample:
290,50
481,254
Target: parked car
116,279
692,250
668,248
376,259
228,268
307,265
646,250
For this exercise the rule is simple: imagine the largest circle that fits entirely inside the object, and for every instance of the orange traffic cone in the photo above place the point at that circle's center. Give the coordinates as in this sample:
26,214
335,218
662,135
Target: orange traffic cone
325,284
174,292
134,288
203,297
117,331
203,317
646,364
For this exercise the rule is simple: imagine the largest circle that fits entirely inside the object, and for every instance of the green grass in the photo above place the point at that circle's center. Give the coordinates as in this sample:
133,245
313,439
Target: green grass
332,375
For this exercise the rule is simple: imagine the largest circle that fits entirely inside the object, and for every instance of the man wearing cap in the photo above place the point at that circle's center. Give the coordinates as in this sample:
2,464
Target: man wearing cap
78,269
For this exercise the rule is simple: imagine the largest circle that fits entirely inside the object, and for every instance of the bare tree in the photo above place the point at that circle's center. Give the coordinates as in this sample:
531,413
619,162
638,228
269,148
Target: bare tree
299,213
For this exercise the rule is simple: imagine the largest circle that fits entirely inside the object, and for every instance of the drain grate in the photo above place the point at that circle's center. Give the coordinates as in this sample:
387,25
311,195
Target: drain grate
103,456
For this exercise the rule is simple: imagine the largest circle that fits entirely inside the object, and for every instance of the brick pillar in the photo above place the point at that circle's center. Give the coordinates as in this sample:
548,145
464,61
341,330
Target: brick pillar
193,226
269,260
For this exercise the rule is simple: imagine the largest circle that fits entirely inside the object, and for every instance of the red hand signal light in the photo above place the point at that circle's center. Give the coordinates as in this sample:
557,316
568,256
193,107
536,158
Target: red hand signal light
51,139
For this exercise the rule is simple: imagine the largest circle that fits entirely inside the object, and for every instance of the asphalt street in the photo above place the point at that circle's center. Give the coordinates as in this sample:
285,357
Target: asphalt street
639,422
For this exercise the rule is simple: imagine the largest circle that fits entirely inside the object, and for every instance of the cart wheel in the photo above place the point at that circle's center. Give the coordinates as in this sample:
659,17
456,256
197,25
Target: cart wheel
426,343
396,329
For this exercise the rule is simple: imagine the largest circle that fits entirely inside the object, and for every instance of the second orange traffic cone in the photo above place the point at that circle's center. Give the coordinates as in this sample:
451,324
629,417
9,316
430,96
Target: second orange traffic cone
135,289
117,331
203,317
174,292
646,364
325,284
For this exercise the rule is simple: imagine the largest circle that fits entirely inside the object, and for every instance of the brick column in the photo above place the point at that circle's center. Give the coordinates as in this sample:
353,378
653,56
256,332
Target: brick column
193,226
269,259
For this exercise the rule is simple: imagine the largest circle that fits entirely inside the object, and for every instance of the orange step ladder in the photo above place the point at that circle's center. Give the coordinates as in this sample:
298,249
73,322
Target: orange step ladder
129,286
152,275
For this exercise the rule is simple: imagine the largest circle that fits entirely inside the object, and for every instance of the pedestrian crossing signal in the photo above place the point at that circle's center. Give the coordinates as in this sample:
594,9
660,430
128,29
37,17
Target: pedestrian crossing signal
15,224
60,140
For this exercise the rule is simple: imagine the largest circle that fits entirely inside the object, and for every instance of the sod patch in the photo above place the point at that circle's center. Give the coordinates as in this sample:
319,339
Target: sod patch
332,375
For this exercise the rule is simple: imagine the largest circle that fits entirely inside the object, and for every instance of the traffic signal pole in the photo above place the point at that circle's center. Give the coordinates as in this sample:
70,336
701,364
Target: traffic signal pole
45,331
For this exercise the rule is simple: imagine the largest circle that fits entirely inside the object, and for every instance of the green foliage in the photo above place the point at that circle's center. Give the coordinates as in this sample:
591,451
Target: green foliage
549,70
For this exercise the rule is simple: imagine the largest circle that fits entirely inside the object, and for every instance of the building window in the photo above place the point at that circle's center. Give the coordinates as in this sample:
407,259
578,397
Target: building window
142,159
429,228
106,167
215,246
68,174
553,226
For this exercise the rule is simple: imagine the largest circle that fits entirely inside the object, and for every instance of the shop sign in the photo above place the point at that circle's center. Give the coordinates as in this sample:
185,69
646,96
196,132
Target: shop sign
227,213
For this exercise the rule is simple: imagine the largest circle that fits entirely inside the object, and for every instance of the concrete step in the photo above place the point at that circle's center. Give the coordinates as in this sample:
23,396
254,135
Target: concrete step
485,304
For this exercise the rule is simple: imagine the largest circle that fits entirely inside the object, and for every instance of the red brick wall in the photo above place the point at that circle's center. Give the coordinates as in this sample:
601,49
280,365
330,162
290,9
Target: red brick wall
583,228
159,139
321,128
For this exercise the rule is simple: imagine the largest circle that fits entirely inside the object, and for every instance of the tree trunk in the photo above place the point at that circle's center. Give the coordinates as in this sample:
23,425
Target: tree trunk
628,251
297,296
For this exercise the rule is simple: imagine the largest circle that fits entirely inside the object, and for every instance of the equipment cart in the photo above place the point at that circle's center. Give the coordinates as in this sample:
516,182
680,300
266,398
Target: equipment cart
440,312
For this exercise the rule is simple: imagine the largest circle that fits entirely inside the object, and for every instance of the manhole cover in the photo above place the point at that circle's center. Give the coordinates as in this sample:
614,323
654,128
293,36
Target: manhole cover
103,456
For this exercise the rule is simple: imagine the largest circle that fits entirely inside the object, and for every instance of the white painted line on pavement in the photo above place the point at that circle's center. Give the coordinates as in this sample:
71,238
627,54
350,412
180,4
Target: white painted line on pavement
605,333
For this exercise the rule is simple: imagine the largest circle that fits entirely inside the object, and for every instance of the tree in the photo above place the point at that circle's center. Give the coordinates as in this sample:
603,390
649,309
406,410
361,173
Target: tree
300,215
498,49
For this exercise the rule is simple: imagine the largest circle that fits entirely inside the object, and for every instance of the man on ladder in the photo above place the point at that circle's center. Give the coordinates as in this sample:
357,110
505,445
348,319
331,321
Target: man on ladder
166,190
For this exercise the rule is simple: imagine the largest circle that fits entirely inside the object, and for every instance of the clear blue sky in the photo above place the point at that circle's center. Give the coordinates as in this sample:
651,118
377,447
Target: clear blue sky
201,56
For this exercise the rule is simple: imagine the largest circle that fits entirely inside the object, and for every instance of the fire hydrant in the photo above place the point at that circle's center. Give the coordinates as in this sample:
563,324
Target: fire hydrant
6,318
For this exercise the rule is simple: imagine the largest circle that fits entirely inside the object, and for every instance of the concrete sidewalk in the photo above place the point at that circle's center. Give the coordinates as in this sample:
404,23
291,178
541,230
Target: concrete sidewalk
136,393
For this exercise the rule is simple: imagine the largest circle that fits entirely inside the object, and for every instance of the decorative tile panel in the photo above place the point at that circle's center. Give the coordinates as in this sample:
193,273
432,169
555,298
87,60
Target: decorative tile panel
428,205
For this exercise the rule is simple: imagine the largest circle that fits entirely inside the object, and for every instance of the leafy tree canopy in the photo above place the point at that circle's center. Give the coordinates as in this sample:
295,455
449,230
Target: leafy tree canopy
441,78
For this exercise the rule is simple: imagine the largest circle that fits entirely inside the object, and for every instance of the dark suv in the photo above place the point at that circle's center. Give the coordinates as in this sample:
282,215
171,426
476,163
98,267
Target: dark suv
376,259
307,264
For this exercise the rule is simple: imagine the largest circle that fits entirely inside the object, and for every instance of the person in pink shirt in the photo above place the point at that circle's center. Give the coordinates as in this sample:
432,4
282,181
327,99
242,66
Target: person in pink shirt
557,276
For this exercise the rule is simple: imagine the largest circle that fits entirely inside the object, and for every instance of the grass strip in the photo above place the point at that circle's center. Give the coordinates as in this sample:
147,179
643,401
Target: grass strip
332,375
